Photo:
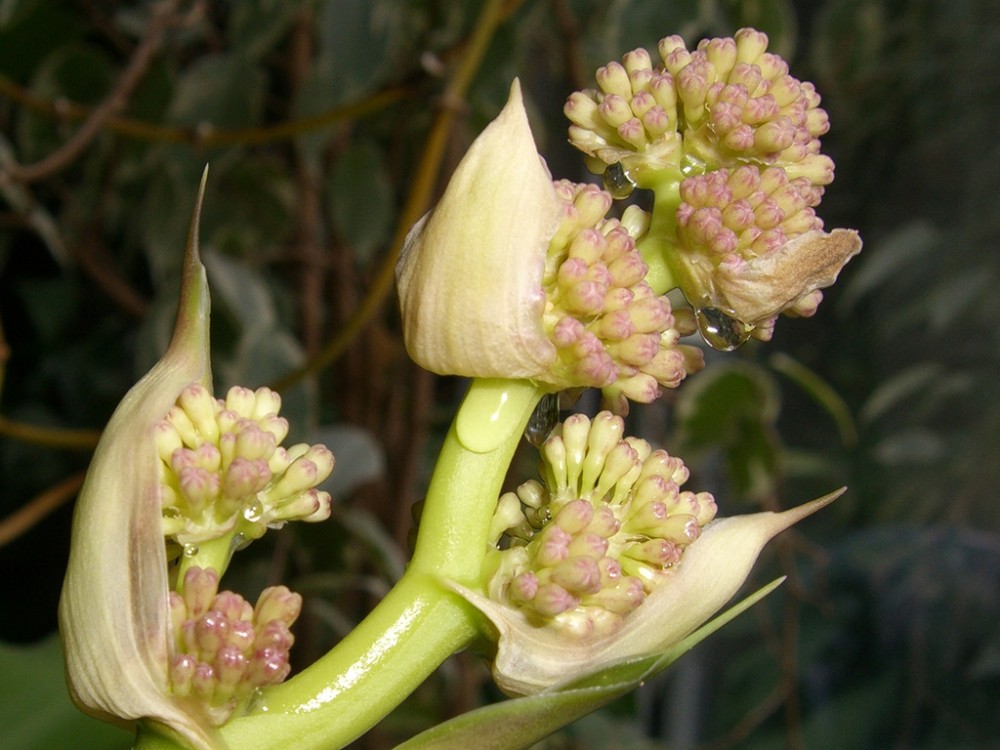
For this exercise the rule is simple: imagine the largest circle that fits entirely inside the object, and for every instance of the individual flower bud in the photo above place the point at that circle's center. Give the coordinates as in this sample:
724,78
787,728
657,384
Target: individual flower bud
512,276
114,612
615,567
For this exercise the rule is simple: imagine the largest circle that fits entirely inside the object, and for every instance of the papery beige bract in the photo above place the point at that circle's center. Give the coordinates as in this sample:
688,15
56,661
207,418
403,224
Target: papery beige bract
764,286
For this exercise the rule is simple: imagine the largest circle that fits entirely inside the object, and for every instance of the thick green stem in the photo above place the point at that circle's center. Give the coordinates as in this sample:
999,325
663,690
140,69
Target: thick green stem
419,623
656,245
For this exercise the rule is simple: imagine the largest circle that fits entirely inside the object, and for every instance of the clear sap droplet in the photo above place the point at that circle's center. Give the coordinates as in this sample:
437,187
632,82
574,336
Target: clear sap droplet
543,419
254,512
617,181
720,330
190,550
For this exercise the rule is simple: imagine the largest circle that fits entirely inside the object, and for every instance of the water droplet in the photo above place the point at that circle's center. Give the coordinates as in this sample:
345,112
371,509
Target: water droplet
254,512
543,419
720,330
171,511
190,550
617,181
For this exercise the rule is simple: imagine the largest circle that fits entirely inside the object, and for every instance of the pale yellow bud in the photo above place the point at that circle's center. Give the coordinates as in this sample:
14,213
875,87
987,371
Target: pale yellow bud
470,275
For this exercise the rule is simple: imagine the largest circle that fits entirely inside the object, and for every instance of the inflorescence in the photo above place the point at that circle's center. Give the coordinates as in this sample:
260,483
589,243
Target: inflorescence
582,549
221,648
611,331
224,472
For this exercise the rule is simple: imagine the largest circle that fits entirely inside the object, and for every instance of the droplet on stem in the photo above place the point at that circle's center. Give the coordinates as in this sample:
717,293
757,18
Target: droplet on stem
720,330
617,181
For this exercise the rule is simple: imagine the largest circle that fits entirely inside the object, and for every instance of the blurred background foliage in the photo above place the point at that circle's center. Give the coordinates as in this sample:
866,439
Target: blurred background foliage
330,126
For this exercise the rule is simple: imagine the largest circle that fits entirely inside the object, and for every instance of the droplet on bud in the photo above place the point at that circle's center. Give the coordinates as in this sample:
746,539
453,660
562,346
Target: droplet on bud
617,181
720,330
190,550
543,419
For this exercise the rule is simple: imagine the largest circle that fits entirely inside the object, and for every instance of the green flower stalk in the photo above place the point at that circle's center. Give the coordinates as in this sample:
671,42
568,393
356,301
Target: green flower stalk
729,143
606,558
534,282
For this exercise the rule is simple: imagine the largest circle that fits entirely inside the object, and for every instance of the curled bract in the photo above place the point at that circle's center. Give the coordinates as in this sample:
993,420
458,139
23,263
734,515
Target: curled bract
113,612
788,278
713,568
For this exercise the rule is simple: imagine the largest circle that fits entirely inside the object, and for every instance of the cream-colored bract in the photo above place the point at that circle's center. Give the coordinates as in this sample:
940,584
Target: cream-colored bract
470,274
713,568
113,614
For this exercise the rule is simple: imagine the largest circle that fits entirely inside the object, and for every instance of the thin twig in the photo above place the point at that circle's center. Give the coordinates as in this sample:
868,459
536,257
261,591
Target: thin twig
750,721
201,136
38,507
4,356
51,437
115,101
312,272
419,199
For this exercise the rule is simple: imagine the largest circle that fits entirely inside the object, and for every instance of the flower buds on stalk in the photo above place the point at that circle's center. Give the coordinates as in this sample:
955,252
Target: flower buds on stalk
607,558
729,141
223,469
221,648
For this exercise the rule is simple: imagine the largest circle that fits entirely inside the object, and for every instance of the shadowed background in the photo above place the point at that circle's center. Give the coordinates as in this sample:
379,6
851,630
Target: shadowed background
330,126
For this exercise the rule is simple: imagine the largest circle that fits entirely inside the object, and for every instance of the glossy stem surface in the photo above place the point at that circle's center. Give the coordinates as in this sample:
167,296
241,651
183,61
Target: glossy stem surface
419,623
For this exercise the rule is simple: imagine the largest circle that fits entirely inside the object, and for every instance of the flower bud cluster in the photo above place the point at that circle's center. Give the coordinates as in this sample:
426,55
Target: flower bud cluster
726,103
728,218
221,648
746,212
610,330
223,470
605,527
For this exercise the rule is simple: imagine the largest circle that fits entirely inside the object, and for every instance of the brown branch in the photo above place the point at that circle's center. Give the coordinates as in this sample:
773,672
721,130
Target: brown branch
51,437
96,263
4,356
420,195
115,101
312,272
750,721
39,507
205,137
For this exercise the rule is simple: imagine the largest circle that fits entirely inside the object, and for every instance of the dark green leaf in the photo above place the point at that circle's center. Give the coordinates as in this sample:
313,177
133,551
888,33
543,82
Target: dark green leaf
35,709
